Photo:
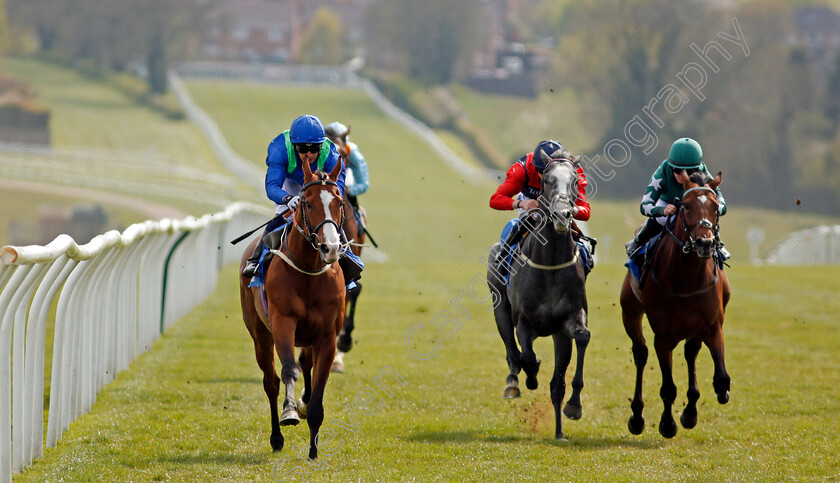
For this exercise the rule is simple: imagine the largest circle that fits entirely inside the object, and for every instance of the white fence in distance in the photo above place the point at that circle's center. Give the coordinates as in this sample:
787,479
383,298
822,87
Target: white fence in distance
118,294
815,246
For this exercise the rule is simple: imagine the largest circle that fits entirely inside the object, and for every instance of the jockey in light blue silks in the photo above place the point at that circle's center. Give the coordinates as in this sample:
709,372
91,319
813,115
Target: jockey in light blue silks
305,141
359,179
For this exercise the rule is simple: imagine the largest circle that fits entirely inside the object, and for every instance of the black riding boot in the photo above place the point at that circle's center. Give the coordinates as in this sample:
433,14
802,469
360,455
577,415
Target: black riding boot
252,265
650,228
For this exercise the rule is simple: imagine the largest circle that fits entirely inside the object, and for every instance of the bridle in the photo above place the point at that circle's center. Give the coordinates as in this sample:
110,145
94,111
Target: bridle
309,233
691,230
691,244
559,198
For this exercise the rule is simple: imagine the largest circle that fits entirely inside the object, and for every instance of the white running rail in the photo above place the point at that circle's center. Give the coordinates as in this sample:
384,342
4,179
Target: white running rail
815,246
118,294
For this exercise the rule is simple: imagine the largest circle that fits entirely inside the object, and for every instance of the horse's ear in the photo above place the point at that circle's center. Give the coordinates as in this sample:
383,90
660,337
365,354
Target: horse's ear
307,170
336,170
716,182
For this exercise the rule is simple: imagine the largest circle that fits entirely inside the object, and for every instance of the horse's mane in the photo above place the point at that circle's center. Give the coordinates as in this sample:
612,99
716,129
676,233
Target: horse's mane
700,178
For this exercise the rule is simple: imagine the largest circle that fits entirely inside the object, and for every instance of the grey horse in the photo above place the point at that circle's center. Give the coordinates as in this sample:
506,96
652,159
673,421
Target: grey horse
546,295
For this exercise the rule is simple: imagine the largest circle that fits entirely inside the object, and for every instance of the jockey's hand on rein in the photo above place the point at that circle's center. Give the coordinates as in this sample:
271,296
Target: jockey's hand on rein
293,202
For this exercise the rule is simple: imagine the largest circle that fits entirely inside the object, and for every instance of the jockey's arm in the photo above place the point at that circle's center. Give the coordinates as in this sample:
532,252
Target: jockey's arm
358,166
502,199
582,210
275,176
649,207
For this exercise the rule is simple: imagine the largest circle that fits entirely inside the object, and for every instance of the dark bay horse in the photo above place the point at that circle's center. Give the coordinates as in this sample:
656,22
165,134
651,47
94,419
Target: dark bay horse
304,298
684,296
546,295
357,237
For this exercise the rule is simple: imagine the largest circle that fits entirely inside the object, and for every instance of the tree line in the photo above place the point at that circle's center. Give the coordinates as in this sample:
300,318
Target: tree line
761,110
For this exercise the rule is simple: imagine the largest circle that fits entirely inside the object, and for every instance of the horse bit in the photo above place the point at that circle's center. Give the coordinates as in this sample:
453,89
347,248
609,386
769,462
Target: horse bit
312,235
691,244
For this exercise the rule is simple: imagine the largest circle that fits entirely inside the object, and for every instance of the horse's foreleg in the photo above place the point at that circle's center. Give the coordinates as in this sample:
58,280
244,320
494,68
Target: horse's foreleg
721,379
581,335
528,358
323,355
264,350
631,313
345,341
562,356
688,418
284,336
504,323
668,391
306,362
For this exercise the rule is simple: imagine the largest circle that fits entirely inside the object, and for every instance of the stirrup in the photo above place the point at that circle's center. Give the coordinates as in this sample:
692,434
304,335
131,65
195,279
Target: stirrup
251,269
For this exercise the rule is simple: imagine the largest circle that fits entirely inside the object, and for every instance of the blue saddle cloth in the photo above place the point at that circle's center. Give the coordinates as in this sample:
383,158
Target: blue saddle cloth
351,264
639,260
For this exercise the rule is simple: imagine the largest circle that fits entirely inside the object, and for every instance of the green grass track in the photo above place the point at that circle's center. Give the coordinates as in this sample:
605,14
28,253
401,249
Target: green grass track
193,408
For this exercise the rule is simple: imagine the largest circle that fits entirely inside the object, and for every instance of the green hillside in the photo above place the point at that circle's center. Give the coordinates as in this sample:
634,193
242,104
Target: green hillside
193,408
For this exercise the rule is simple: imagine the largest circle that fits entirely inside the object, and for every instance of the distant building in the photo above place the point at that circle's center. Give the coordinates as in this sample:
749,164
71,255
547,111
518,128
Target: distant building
818,36
251,30
269,30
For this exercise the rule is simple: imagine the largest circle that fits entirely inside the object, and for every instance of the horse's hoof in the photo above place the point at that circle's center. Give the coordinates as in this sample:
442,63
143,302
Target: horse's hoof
636,425
561,438
668,429
301,409
344,343
289,417
573,412
512,392
688,421
276,442
723,397
338,367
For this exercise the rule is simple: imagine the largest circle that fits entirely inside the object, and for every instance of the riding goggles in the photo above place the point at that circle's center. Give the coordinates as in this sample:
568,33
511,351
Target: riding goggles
303,148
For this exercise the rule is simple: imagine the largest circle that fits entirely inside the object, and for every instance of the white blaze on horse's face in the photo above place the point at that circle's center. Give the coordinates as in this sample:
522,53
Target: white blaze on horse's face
558,180
332,243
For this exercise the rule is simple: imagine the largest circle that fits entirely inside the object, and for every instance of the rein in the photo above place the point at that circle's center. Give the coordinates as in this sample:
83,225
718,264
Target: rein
558,198
691,245
309,234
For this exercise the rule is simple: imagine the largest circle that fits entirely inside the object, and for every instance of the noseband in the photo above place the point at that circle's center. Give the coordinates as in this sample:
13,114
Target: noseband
690,231
310,234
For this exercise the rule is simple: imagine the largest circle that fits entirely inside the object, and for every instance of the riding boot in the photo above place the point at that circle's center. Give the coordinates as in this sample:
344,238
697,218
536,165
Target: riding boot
513,237
252,266
650,228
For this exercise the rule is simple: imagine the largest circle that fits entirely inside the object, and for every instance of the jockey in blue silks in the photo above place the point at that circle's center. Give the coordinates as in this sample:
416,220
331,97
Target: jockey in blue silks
359,179
305,141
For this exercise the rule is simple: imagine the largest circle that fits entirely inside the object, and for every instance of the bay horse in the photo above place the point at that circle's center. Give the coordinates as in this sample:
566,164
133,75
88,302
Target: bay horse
357,236
684,296
303,306
546,295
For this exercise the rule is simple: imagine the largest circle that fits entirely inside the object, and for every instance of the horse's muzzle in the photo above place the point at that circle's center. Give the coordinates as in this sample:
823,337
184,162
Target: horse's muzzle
704,247
329,252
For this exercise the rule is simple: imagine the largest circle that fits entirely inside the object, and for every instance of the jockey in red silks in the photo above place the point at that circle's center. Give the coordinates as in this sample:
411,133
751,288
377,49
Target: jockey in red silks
521,189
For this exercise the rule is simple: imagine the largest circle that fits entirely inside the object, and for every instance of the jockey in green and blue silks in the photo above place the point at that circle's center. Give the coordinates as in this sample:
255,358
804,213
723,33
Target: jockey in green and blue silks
284,177
305,141
664,190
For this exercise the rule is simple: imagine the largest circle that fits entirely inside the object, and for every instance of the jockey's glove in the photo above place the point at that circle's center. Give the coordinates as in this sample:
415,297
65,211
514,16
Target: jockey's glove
293,202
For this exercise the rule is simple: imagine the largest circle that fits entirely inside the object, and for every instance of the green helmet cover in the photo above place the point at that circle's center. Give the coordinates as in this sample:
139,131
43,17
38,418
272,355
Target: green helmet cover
686,153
